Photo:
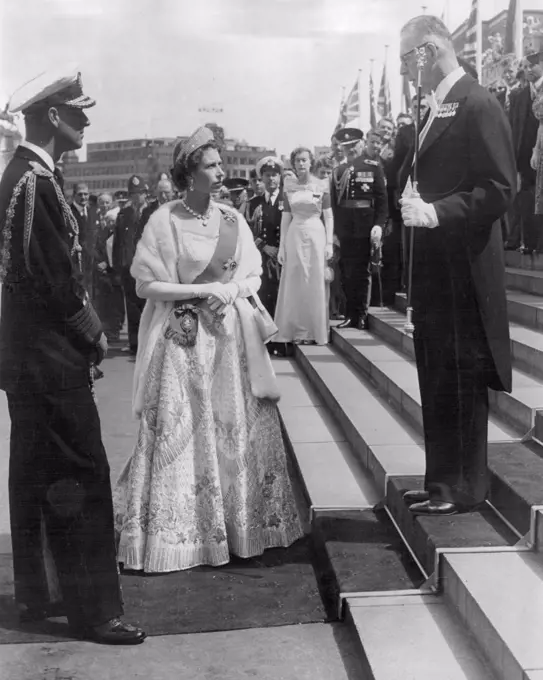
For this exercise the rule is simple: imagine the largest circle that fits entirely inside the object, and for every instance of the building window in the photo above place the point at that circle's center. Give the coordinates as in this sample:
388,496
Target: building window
242,173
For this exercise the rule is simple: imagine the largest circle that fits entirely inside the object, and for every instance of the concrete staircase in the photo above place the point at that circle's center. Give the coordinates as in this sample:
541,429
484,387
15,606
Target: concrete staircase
459,597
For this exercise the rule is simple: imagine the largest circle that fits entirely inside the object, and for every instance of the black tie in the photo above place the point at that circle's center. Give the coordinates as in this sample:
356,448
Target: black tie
58,176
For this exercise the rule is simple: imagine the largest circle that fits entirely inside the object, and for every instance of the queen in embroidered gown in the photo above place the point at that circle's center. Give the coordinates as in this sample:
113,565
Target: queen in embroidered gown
306,247
208,477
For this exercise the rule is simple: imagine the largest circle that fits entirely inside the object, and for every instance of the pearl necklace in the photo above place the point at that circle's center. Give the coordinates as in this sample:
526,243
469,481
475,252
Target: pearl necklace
203,218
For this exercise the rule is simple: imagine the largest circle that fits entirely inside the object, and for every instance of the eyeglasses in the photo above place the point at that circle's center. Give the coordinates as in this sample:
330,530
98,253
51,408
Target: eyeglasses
404,58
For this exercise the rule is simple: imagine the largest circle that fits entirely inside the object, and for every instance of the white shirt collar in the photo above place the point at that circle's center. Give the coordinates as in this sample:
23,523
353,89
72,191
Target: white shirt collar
446,85
272,197
42,153
81,209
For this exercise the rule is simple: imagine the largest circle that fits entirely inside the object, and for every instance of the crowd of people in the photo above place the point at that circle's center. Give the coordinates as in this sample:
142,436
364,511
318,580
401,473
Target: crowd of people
216,274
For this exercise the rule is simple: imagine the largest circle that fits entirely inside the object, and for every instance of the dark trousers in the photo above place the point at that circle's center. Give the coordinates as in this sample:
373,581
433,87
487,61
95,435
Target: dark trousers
109,303
134,307
530,223
453,364
60,506
355,270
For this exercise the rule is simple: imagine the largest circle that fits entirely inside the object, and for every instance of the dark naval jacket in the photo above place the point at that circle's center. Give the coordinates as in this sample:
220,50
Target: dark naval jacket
359,198
48,328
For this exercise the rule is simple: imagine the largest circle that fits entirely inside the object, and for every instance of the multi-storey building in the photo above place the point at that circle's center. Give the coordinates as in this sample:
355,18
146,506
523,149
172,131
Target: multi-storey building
109,165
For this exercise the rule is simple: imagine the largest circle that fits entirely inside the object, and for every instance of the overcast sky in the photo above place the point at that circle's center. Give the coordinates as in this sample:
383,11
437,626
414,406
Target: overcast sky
276,67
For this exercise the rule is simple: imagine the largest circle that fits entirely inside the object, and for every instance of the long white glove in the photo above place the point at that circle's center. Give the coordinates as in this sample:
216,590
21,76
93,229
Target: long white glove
328,217
415,212
376,236
286,219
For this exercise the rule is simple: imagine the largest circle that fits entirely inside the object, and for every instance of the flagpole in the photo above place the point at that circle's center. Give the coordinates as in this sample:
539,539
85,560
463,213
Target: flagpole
519,31
421,59
478,42
372,95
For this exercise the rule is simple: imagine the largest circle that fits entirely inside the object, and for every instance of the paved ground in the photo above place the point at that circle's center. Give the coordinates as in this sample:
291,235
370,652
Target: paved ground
311,651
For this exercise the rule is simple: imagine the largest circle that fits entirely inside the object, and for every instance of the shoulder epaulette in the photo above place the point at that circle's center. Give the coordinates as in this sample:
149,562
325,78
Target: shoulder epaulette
29,182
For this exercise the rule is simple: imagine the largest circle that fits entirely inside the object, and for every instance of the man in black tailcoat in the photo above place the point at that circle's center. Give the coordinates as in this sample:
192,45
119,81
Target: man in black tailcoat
61,510
267,211
524,126
466,183
127,231
87,219
359,203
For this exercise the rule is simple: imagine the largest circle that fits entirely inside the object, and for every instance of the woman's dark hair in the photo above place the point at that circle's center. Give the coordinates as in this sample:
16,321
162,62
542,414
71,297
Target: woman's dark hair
184,167
324,162
302,149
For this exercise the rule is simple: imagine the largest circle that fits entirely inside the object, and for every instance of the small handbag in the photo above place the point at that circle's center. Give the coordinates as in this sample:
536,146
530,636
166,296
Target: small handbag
266,325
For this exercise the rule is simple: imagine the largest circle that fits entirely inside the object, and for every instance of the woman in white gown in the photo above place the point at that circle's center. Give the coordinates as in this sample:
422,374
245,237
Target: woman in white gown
208,477
306,245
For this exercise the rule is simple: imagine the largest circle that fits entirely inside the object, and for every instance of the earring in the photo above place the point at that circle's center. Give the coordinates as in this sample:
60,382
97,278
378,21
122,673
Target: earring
191,184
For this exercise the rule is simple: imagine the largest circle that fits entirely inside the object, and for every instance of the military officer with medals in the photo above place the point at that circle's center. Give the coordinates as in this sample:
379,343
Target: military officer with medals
359,203
127,230
267,212
61,509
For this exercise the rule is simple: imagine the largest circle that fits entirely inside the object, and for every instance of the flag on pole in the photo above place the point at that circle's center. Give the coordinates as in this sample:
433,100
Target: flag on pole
384,107
351,107
514,29
473,48
341,118
373,119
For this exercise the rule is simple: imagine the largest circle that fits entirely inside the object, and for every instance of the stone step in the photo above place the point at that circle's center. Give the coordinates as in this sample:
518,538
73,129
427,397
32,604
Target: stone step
538,428
517,409
387,437
414,637
526,280
331,477
523,261
526,343
389,448
523,309
361,553
499,599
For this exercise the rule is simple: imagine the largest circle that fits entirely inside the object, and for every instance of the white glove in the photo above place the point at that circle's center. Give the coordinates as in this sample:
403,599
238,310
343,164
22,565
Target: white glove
417,213
217,290
376,235
281,255
328,252
534,161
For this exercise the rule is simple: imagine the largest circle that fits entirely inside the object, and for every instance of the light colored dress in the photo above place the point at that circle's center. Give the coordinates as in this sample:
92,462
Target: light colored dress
208,477
302,303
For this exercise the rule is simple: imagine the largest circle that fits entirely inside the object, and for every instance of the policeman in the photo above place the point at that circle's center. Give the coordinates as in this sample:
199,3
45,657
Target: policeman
359,203
237,186
128,229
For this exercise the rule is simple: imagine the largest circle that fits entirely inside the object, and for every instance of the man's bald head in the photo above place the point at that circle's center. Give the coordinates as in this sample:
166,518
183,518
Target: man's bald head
164,191
429,36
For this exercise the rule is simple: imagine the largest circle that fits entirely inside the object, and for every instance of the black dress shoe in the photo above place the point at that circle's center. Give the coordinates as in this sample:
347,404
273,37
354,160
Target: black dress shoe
347,323
363,323
416,496
434,508
114,632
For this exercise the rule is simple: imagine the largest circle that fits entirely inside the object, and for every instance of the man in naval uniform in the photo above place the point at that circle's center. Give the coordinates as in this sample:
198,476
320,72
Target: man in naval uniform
359,202
267,213
237,187
466,183
61,510
127,230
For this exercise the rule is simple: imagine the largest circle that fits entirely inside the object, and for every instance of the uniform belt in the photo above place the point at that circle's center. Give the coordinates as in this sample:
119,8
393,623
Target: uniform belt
350,203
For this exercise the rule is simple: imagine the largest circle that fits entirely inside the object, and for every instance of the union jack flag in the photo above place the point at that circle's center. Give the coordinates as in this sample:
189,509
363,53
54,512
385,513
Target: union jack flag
373,119
384,107
469,52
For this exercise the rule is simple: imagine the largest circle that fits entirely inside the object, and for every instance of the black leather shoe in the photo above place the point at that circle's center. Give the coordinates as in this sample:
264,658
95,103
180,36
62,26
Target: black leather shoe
434,508
416,496
347,323
363,323
114,632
